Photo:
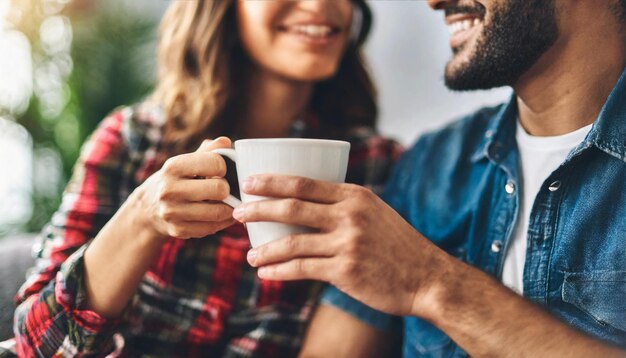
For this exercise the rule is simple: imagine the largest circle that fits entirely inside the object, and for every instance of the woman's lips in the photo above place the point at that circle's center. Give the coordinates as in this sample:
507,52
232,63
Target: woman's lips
319,34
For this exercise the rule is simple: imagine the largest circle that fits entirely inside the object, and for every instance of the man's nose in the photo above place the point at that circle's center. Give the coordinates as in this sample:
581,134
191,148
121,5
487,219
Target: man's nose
438,4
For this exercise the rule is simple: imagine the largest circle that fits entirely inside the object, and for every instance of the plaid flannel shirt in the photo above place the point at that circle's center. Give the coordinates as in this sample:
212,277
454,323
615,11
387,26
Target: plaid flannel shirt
199,298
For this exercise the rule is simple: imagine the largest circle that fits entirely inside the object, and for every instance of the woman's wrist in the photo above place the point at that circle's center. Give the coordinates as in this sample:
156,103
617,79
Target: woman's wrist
136,211
119,257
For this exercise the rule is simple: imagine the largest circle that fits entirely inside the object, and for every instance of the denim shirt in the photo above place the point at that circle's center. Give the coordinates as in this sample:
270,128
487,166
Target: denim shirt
459,187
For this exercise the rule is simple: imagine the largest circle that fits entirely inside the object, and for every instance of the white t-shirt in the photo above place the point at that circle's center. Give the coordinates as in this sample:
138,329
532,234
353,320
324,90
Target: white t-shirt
539,157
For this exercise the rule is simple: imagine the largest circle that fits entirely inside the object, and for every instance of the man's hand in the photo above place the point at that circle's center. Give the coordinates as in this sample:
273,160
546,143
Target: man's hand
368,251
363,247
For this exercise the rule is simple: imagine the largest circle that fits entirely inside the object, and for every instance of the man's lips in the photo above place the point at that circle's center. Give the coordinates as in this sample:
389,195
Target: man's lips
462,27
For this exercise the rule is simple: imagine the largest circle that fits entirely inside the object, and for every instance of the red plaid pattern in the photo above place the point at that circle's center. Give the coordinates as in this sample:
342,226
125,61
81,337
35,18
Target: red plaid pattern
199,298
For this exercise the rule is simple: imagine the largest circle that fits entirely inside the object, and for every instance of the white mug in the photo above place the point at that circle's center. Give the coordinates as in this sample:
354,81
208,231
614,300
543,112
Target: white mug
318,159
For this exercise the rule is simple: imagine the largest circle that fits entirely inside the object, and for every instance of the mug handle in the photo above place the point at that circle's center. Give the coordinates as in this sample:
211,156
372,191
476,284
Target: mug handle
232,155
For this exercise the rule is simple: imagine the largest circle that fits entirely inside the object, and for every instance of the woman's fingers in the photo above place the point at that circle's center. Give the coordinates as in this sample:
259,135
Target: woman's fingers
187,230
204,164
195,190
220,142
197,212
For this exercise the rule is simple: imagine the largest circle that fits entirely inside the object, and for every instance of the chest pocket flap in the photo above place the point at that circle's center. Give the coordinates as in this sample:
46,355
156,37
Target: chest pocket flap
600,294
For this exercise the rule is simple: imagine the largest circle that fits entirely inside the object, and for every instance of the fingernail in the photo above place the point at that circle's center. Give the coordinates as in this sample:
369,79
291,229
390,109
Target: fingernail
239,212
248,184
261,272
252,257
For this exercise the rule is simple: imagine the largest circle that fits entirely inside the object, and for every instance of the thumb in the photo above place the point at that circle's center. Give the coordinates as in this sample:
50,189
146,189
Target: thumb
221,142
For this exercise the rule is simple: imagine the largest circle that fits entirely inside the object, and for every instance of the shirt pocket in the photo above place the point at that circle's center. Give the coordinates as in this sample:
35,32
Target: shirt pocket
422,339
599,294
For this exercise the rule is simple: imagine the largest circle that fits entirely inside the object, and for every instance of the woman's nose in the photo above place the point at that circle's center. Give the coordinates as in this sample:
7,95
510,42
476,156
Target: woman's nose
317,5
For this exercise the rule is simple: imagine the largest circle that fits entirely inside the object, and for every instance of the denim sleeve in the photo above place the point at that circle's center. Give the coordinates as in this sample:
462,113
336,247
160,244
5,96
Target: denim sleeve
379,320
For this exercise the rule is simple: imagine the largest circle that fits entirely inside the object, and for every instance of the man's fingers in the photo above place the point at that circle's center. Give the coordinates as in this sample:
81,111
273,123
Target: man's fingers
292,247
281,186
298,269
286,211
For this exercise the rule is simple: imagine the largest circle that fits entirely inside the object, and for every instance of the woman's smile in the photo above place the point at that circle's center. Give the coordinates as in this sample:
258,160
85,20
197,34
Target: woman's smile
318,34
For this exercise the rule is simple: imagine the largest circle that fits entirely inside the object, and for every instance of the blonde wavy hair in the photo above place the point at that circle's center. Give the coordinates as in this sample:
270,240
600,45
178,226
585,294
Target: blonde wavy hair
200,76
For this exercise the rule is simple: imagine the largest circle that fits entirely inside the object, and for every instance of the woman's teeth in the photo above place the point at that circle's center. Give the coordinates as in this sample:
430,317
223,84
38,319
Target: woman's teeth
462,25
311,30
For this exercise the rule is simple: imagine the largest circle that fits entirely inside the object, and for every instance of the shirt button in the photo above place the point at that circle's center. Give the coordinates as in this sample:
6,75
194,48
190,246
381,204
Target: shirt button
489,134
509,187
496,246
555,186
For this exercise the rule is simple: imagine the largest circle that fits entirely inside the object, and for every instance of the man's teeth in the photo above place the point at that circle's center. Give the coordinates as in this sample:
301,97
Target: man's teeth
312,30
462,25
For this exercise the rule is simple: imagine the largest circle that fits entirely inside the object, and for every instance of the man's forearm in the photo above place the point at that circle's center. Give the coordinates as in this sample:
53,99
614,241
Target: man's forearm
404,274
487,319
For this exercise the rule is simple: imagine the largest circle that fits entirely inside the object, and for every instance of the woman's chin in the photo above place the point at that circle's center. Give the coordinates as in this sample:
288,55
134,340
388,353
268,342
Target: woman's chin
312,75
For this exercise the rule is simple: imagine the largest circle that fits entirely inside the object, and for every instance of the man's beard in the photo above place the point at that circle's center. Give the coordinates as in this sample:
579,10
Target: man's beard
518,33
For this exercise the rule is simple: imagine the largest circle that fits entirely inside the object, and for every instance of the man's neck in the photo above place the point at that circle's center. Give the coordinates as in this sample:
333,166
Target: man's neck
569,85
272,103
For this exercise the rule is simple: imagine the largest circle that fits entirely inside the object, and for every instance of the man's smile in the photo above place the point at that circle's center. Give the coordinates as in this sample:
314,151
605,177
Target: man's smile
463,27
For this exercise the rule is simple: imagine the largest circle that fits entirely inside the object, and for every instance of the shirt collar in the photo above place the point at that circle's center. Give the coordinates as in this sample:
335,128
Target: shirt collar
499,136
608,132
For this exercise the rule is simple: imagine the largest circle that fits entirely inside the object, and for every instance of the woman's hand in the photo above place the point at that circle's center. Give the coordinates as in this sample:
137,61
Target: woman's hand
184,198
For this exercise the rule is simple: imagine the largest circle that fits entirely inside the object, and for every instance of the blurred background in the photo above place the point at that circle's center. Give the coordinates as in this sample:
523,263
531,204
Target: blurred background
64,64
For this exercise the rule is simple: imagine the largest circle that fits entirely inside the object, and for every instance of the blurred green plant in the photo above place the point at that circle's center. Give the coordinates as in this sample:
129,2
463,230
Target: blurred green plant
108,62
